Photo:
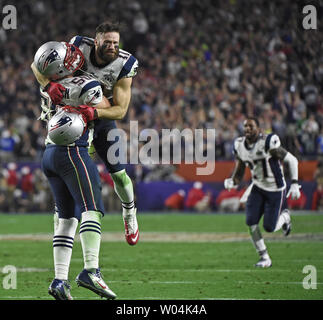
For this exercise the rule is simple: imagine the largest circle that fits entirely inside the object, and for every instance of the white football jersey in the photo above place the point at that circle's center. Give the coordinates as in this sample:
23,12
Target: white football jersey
125,65
266,171
80,90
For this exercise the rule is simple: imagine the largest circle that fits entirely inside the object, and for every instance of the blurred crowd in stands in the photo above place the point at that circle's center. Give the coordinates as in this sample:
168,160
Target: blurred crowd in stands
202,64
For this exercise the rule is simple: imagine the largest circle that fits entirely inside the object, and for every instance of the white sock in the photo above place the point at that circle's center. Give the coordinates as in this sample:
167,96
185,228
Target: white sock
90,235
124,189
62,246
55,219
258,241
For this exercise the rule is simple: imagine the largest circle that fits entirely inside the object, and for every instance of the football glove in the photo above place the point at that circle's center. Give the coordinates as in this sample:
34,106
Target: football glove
88,113
229,184
55,91
294,191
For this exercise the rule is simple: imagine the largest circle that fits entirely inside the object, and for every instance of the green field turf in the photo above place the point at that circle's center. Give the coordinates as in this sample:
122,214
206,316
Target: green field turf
179,256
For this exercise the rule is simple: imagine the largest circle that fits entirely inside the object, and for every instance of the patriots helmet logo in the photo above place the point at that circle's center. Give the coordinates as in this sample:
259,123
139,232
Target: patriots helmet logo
61,122
53,56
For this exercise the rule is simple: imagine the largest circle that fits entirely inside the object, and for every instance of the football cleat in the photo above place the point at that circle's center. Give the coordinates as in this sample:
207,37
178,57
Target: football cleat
60,290
263,263
131,227
94,282
287,226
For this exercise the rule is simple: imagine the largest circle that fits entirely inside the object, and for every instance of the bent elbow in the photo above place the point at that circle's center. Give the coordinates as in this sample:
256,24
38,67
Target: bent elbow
121,115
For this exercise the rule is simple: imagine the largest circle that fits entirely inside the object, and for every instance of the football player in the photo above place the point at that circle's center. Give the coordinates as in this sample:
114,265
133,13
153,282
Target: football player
114,68
72,175
263,155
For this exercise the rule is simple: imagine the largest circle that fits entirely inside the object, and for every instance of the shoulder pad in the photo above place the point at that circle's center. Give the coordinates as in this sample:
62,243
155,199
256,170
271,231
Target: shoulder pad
130,68
272,142
78,40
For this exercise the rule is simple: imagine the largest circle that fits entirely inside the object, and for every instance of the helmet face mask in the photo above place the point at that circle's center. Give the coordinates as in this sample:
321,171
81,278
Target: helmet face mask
74,59
56,60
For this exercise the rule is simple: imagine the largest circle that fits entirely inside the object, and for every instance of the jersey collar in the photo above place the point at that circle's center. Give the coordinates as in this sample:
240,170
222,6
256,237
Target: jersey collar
253,145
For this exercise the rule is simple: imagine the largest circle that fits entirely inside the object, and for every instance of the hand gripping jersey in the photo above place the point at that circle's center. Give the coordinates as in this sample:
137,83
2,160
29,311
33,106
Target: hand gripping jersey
266,171
125,65
80,90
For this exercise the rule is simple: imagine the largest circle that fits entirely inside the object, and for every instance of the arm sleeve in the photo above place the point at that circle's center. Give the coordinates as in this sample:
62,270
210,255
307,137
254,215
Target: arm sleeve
130,68
293,165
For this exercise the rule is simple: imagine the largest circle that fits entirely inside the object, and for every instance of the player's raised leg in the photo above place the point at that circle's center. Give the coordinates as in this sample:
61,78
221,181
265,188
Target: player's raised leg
122,183
274,218
124,189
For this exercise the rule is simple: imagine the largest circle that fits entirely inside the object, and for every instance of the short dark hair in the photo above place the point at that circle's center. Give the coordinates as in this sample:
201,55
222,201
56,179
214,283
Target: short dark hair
108,26
254,119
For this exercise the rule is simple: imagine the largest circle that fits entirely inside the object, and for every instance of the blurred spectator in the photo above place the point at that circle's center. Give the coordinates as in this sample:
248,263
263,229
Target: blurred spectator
229,201
259,61
41,196
10,184
26,182
7,146
26,185
3,189
176,200
11,176
197,199
297,204
317,200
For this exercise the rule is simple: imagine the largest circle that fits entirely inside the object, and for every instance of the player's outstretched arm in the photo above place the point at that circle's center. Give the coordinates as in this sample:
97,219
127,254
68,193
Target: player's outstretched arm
238,172
282,154
237,175
121,100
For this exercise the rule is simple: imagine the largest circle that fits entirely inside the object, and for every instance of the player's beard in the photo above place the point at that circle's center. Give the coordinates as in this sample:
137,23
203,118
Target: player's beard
251,137
107,57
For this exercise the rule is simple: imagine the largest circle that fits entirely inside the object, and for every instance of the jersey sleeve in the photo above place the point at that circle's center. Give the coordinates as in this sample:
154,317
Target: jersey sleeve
236,148
91,93
129,69
272,142
78,40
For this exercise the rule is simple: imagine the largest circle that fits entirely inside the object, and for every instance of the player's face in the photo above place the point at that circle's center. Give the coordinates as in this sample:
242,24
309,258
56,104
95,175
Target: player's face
107,46
251,130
